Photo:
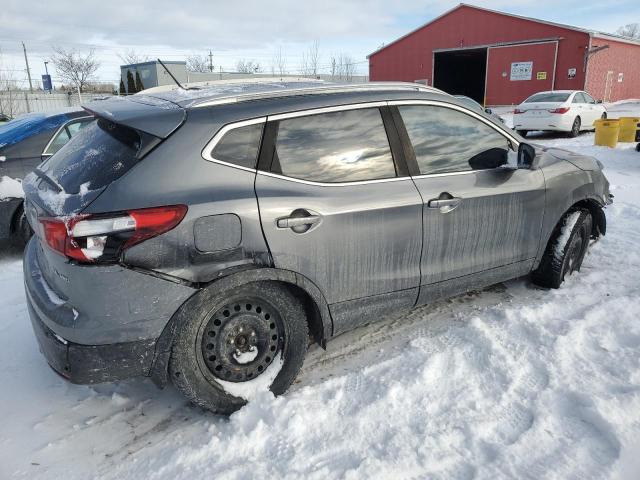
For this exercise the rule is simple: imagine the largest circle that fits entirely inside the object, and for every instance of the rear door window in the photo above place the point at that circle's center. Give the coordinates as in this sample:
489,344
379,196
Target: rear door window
98,154
446,140
344,146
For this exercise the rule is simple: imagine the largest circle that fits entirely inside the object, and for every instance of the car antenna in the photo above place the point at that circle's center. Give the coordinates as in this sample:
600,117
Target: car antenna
171,75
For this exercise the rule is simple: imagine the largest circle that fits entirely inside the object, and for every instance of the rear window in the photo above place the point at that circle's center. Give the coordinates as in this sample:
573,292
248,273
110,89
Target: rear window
547,97
99,154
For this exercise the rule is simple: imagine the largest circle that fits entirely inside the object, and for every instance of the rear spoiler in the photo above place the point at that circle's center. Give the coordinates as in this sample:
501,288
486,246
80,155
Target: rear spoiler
151,115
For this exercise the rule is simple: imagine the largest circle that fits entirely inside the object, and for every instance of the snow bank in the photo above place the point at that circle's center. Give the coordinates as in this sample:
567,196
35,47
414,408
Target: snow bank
512,382
10,188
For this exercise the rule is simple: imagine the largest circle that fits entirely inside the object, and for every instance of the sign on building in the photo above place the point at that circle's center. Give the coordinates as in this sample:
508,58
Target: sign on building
571,73
521,71
541,75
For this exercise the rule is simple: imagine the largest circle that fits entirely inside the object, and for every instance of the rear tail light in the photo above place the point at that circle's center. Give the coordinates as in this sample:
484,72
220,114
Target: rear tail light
560,110
517,110
102,238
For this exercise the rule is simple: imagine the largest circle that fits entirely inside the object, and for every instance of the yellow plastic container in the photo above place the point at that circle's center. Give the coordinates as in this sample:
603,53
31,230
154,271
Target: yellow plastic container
607,132
629,126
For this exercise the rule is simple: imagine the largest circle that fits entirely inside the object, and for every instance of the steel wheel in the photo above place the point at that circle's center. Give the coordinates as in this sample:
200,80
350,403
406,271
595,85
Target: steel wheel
242,339
575,128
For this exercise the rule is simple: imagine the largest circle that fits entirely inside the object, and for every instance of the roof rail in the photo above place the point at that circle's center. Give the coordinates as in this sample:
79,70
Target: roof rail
315,90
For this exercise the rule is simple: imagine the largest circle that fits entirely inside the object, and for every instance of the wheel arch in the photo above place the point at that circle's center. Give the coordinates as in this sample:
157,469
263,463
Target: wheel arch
599,228
319,318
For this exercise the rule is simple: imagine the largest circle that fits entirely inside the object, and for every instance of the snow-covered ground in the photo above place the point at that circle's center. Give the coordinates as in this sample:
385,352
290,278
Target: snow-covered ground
511,382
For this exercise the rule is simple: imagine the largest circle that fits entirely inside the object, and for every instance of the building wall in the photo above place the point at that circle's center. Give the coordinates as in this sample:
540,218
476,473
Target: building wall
618,58
501,90
410,58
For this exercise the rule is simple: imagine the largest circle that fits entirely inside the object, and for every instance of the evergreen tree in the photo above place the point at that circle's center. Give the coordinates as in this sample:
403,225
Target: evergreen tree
131,84
123,91
139,85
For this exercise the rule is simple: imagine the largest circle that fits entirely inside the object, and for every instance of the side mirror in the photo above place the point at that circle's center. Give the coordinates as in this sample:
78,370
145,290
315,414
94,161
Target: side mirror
488,110
526,155
598,101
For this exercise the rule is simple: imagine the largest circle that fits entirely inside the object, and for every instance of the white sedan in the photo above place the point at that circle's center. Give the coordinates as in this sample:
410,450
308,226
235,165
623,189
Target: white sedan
559,110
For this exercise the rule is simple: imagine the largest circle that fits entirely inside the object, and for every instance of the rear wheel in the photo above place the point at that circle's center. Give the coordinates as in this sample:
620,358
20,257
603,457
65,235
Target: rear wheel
566,249
522,133
575,128
238,343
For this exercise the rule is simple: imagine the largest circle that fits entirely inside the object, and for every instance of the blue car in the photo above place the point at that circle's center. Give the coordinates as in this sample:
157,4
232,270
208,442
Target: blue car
24,143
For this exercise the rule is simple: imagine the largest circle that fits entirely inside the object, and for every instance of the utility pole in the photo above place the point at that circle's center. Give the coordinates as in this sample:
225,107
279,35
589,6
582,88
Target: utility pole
26,61
210,61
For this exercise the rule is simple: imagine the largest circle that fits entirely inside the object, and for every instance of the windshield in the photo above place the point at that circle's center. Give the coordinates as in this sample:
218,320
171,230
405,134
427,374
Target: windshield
99,154
548,97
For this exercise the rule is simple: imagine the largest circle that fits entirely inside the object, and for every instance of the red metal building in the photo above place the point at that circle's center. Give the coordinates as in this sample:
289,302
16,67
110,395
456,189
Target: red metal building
500,59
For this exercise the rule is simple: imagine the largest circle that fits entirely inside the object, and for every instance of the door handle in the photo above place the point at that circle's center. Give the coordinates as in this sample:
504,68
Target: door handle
291,222
444,202
300,221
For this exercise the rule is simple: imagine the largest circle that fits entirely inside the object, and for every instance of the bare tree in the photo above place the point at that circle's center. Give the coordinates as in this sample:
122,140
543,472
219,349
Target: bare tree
198,63
279,63
74,67
131,56
631,30
343,67
248,66
310,59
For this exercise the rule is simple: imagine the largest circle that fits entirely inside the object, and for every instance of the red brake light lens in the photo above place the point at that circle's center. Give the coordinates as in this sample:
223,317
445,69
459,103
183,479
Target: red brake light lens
561,110
102,238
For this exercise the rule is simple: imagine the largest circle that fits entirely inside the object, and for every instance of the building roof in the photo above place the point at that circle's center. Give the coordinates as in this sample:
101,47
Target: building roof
155,62
593,33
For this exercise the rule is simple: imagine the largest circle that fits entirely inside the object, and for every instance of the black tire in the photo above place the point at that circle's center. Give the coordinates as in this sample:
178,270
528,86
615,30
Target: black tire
564,254
603,116
218,317
638,147
21,230
522,133
575,128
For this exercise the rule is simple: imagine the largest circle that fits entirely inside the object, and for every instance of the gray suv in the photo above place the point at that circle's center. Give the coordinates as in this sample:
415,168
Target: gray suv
207,237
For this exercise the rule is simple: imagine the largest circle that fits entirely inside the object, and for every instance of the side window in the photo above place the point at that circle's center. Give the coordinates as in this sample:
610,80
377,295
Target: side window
578,98
446,140
240,146
75,127
65,134
59,141
588,98
345,146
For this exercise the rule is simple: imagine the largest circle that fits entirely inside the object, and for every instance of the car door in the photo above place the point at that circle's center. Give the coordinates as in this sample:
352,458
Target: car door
596,109
580,108
336,208
481,220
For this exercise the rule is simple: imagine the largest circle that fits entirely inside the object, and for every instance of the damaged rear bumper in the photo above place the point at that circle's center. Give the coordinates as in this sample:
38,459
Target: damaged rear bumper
87,364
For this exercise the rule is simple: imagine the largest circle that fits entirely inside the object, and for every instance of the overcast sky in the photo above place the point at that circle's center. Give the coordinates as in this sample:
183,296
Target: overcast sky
249,29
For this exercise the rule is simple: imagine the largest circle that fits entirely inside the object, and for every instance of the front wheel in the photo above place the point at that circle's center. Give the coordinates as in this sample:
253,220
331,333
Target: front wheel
236,343
566,249
575,128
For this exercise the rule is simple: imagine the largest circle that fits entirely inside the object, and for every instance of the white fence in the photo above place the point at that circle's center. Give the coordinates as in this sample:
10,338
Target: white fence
18,102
